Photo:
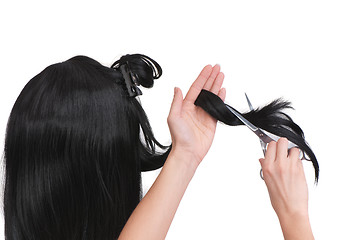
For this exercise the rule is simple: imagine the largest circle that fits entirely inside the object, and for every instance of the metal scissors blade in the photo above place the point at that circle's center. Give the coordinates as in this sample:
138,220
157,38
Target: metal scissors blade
262,136
249,103
271,136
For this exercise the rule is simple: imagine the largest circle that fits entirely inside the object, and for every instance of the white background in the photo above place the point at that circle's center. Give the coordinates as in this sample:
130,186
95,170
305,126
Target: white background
305,51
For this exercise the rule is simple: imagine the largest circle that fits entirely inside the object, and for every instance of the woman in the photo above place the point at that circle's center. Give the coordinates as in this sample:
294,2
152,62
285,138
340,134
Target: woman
77,140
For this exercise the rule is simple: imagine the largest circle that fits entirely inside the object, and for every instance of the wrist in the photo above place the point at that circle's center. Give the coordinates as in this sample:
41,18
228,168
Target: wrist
186,160
288,214
293,217
296,225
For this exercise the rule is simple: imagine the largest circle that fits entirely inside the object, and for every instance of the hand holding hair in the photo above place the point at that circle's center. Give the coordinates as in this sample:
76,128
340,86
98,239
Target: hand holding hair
193,129
286,183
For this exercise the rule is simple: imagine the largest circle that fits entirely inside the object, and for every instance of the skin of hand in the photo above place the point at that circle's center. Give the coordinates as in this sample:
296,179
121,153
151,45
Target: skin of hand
286,183
191,128
192,131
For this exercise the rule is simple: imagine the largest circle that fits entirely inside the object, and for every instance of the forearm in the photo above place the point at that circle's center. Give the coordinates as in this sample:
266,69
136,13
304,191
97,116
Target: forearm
152,217
296,226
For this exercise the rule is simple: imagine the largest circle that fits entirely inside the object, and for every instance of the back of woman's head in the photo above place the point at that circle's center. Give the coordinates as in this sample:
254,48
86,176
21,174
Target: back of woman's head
75,145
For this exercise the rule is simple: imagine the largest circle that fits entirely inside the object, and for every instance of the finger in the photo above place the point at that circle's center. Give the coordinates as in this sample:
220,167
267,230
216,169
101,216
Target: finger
198,84
294,154
215,72
282,149
261,161
177,102
222,94
217,84
270,155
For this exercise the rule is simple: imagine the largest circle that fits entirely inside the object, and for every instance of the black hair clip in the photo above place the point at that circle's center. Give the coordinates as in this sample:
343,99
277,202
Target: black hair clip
131,81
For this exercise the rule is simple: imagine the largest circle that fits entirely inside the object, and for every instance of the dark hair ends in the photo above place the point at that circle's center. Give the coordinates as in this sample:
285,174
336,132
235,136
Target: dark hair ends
74,150
270,118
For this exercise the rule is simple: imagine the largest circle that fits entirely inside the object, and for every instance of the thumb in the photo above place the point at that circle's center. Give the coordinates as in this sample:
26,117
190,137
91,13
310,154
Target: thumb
176,106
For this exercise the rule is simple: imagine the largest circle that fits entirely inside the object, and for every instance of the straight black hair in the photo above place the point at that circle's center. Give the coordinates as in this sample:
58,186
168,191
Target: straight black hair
75,146
270,118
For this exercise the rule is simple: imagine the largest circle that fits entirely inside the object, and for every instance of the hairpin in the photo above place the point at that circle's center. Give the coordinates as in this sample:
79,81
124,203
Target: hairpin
130,80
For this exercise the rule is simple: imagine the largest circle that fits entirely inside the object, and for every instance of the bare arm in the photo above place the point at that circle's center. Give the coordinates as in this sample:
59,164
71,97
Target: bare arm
287,187
192,132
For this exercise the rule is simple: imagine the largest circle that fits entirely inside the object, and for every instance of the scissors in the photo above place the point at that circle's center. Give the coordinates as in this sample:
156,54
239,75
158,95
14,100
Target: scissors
264,137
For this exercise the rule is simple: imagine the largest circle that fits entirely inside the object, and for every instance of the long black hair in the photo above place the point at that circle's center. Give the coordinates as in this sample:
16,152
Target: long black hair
75,146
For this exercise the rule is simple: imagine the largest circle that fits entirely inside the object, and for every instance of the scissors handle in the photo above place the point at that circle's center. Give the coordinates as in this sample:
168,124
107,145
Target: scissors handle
275,138
263,146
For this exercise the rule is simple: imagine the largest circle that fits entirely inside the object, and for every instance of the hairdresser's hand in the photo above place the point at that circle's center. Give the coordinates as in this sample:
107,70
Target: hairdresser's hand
192,129
192,132
285,179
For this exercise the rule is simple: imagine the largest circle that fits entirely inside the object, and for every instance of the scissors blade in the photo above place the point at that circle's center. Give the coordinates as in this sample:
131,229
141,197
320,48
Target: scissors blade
262,136
249,103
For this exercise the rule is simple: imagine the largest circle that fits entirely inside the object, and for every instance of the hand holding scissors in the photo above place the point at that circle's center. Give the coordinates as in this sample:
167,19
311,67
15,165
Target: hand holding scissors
264,137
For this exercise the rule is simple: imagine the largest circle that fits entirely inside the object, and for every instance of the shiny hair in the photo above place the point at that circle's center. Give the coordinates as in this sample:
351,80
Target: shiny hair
75,146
